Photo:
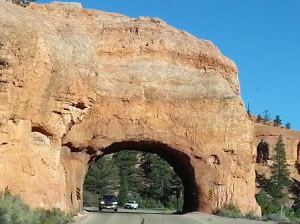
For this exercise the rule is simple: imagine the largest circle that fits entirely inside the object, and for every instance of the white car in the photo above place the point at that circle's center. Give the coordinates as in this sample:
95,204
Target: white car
131,205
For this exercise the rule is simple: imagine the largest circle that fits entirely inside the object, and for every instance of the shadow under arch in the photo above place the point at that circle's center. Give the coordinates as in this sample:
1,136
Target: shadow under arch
178,160
262,152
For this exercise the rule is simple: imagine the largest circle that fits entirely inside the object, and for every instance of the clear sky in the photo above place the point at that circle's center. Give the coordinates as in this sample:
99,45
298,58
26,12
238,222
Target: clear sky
261,36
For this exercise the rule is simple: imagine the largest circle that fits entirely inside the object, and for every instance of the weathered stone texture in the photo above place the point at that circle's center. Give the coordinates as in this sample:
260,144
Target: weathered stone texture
270,135
75,81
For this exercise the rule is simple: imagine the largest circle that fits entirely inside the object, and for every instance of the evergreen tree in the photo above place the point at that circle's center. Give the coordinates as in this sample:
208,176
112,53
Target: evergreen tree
128,173
248,110
23,3
132,175
266,117
279,181
296,192
288,126
160,180
258,119
102,177
277,121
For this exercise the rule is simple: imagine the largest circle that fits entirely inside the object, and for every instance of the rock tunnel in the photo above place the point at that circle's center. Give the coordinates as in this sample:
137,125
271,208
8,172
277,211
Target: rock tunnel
81,83
180,162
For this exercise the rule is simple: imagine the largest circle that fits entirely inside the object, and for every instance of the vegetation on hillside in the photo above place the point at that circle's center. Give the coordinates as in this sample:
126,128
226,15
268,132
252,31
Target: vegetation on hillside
23,3
276,192
266,119
14,211
132,175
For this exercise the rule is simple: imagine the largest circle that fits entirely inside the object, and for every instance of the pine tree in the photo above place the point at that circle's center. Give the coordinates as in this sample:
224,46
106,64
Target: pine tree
296,191
288,126
248,110
102,177
279,181
266,117
23,3
258,119
277,121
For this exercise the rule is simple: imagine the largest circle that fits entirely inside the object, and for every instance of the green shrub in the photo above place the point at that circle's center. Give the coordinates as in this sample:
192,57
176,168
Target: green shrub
54,216
14,211
150,203
267,203
90,199
229,210
251,216
278,217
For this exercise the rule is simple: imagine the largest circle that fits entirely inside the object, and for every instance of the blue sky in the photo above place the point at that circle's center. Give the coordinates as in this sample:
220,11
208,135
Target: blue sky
261,36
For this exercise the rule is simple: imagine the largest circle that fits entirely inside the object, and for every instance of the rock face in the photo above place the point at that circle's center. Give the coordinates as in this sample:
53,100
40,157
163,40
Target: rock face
76,84
265,141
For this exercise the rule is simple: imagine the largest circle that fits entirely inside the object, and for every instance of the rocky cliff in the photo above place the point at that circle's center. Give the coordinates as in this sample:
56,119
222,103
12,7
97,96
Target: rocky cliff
76,83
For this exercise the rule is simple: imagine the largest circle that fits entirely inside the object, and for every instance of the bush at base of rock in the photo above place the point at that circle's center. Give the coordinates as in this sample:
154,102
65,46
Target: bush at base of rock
14,211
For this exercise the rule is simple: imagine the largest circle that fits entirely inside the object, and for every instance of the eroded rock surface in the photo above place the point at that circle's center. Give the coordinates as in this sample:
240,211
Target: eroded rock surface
268,135
74,81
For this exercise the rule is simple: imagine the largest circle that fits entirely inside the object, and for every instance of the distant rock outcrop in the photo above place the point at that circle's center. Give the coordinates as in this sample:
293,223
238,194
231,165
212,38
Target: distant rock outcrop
266,137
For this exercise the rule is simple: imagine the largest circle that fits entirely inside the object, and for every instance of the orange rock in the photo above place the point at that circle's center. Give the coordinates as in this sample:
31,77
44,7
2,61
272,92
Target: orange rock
77,84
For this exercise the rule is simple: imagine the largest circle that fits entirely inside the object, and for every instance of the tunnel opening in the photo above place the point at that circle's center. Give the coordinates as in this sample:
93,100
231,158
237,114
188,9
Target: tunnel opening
176,159
262,153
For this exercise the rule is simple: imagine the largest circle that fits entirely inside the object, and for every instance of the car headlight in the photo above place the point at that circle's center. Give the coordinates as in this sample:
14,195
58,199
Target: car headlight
102,202
115,203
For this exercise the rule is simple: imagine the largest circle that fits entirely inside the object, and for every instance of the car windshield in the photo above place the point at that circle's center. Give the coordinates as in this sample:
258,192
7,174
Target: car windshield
131,202
108,197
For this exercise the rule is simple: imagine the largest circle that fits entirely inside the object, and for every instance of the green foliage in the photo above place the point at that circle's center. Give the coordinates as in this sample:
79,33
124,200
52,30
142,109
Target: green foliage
132,175
288,125
296,192
160,180
14,211
279,181
277,121
23,3
267,117
258,119
274,194
54,216
130,180
102,177
229,210
278,217
90,199
267,203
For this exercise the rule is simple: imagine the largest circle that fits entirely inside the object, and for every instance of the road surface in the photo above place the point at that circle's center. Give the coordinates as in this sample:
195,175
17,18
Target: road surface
124,216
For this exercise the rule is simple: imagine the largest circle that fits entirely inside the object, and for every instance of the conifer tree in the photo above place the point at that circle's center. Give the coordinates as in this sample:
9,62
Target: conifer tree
279,181
277,121
296,191
23,3
258,119
266,117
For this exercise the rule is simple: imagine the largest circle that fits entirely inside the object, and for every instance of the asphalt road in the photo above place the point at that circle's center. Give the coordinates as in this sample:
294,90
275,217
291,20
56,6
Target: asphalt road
152,217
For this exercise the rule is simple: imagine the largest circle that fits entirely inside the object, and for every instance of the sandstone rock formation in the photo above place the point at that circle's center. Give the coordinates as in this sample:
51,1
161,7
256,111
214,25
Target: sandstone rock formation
268,135
76,84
